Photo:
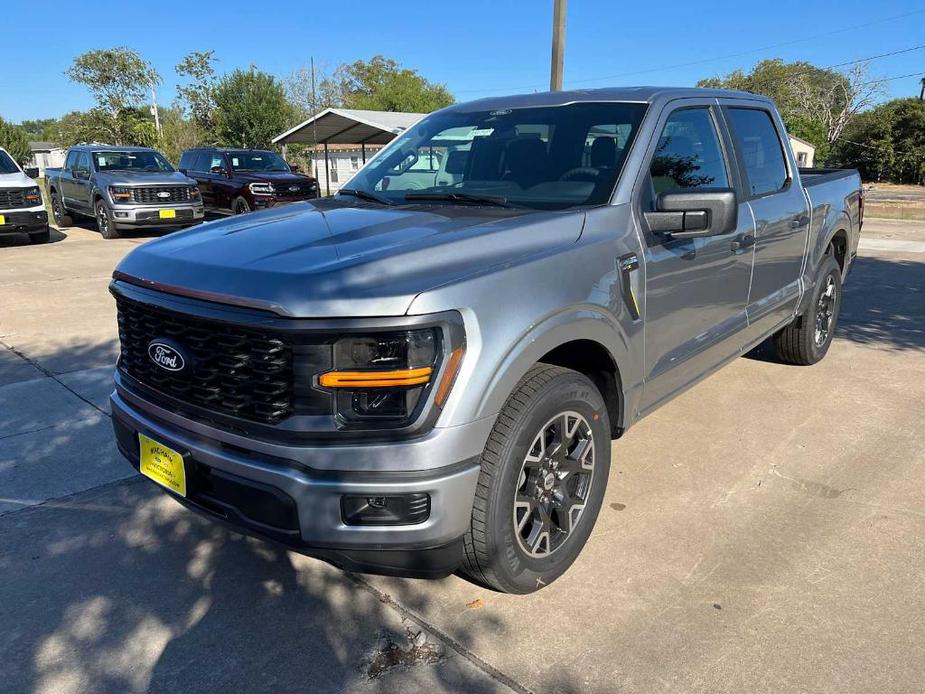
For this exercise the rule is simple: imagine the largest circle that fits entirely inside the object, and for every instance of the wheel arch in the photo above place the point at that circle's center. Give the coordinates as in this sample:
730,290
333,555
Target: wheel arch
589,343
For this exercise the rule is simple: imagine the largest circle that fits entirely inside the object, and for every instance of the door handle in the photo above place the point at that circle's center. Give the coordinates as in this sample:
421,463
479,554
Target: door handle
743,242
799,221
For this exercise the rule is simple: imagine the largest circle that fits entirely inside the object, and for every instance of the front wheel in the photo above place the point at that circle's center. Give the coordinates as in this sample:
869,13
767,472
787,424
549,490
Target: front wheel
240,206
104,222
542,481
807,340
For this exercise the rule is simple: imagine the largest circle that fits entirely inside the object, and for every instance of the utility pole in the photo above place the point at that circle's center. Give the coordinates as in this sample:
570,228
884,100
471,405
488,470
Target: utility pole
558,45
154,112
922,90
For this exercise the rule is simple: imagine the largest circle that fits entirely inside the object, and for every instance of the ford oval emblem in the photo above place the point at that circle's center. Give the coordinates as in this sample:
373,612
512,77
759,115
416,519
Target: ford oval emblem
293,189
166,356
163,194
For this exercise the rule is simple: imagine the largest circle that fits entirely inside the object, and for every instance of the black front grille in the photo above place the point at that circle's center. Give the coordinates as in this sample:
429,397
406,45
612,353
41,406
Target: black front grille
12,198
154,195
284,190
242,372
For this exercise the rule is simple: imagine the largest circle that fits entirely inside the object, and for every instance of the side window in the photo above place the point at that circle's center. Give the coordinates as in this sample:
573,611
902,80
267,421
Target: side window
688,154
188,161
759,150
83,163
71,162
215,159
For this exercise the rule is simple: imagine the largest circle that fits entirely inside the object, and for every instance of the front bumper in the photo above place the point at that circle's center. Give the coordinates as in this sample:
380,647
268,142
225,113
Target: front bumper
133,216
17,221
265,201
284,497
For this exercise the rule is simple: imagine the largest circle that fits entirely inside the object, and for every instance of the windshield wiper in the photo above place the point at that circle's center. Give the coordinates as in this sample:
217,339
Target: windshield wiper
496,200
365,195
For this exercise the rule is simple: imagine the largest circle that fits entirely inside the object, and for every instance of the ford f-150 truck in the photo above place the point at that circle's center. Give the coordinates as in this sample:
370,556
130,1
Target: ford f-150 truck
415,376
22,209
122,188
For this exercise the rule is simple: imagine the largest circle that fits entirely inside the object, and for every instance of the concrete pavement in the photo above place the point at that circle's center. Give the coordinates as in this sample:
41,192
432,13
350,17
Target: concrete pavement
763,532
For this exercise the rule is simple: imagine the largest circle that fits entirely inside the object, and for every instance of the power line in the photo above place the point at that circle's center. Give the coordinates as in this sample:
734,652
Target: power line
708,60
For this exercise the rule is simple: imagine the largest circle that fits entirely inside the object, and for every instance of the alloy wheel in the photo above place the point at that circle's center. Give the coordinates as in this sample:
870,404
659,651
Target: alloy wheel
102,219
554,484
825,312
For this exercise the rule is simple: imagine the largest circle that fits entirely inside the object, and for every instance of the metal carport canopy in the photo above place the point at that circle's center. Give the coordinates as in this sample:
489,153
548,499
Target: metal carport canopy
341,126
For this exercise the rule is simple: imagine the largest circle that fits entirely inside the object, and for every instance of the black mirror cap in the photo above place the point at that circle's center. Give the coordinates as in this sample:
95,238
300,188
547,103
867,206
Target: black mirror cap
695,212
31,171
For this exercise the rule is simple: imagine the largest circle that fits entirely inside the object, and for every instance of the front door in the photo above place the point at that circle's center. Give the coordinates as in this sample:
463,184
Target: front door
696,289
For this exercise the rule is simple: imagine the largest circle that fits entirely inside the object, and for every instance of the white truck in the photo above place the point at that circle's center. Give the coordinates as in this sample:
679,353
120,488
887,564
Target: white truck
22,209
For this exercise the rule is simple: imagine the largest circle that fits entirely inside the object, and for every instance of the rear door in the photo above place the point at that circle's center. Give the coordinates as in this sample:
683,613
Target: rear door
696,289
780,209
80,183
200,171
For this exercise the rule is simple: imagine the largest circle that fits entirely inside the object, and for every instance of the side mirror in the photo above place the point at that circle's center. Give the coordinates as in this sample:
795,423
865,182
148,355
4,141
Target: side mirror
694,213
220,170
31,171
82,174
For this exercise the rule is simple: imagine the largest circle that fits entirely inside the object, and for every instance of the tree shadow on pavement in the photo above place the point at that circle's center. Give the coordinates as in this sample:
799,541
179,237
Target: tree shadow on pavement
883,305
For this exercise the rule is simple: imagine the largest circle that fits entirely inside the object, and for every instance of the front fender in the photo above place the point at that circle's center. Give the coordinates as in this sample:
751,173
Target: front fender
577,323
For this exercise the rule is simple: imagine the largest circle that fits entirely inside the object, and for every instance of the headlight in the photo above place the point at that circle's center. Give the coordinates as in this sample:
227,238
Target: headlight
34,196
120,193
262,188
382,377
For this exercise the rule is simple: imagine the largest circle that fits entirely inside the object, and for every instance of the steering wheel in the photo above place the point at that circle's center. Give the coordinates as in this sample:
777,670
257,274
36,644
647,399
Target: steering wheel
582,173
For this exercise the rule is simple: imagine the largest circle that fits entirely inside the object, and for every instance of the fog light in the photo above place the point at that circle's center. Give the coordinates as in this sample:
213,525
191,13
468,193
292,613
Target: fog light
404,509
121,214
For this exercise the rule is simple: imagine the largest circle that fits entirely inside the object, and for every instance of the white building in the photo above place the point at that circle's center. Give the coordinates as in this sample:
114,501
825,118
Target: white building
803,151
343,162
46,154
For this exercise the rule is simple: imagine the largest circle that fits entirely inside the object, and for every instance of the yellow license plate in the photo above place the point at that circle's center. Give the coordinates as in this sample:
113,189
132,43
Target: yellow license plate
2,220
168,214
162,464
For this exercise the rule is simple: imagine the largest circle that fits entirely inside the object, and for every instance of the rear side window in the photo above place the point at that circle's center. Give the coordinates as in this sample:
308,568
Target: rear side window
759,150
688,154
187,161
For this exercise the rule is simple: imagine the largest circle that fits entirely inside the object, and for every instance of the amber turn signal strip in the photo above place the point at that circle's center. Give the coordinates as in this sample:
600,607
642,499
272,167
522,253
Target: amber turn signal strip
375,379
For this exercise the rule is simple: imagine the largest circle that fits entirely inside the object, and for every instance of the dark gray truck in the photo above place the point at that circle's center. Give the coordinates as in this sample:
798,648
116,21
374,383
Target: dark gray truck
419,375
122,188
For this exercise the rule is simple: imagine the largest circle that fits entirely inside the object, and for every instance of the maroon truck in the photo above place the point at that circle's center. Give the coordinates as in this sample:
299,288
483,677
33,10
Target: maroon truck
241,180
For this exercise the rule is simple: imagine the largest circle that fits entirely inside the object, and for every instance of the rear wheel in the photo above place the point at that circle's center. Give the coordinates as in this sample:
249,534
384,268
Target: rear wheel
240,206
542,481
808,338
104,221
62,219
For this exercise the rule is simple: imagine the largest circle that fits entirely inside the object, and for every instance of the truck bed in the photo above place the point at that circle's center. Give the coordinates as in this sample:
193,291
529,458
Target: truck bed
812,177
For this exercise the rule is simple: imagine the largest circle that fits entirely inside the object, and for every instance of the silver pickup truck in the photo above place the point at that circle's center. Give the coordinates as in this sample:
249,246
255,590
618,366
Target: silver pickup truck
122,188
416,376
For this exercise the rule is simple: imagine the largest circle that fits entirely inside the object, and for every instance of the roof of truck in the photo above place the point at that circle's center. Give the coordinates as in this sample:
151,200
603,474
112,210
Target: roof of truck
636,94
112,148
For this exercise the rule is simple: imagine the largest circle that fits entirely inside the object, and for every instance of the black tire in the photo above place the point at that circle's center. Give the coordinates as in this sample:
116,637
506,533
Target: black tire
240,206
37,237
495,547
807,340
62,219
104,221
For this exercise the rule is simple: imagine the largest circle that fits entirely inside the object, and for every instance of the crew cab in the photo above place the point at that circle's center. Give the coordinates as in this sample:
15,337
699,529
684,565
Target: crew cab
122,188
419,375
242,180
22,209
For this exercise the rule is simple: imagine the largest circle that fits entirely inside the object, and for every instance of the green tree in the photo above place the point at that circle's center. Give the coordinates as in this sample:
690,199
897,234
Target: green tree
197,98
381,84
887,142
39,129
178,133
119,80
250,109
14,141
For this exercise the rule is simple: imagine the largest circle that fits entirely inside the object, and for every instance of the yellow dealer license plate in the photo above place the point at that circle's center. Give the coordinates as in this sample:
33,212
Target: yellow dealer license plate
163,465
168,214
2,220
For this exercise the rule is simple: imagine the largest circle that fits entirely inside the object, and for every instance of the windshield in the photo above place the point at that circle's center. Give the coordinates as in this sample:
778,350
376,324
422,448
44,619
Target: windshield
130,161
541,158
7,165
257,161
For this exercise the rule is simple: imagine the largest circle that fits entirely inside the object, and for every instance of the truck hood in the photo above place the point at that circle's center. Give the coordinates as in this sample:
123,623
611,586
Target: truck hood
16,180
330,259
145,178
280,177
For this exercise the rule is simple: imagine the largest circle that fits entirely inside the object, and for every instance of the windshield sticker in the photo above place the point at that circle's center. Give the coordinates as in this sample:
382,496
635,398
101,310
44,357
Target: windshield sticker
481,132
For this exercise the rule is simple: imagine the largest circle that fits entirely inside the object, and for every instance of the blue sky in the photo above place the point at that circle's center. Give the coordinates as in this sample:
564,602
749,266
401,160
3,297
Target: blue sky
477,47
